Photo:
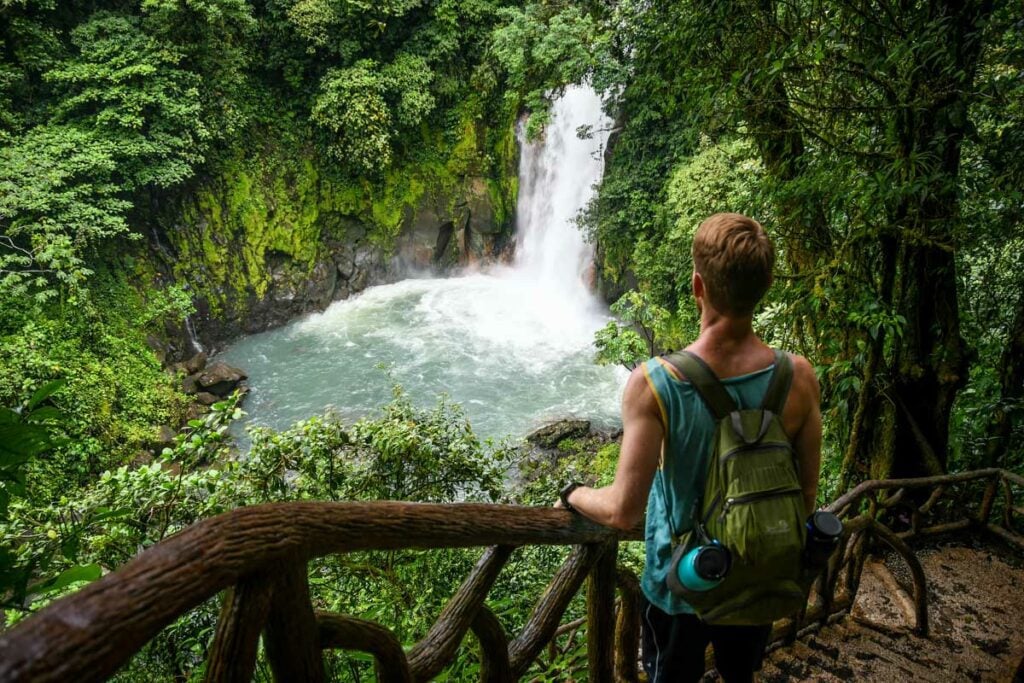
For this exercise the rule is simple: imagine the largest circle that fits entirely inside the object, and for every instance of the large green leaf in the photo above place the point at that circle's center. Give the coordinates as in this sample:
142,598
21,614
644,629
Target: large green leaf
19,442
44,392
45,414
82,572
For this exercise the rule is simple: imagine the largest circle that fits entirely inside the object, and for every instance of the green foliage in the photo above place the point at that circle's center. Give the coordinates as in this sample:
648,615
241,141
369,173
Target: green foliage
642,329
126,84
541,47
365,106
26,432
407,454
59,196
116,391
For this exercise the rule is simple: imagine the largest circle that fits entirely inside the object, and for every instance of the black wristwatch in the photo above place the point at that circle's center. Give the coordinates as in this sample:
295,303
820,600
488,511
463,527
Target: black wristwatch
564,495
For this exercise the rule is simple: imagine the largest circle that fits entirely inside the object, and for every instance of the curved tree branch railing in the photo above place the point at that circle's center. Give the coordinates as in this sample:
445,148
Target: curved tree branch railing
871,508
258,557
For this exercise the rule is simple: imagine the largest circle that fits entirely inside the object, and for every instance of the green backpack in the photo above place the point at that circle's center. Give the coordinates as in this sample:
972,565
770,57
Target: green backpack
752,504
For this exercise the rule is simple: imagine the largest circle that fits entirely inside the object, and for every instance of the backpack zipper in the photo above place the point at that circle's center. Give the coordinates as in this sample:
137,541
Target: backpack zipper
759,495
711,508
730,454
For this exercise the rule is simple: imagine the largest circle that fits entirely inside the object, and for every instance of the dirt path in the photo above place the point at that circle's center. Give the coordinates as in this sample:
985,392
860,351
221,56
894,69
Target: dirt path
976,611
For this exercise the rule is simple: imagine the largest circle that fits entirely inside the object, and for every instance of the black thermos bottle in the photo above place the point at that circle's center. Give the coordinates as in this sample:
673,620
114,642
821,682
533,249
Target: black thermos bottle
823,532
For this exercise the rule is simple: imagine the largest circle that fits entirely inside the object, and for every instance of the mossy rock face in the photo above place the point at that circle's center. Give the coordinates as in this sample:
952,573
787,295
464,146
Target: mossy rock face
277,235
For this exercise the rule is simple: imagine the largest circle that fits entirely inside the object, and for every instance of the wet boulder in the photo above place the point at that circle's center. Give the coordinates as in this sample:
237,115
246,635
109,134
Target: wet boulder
162,438
190,383
206,398
554,433
220,379
195,364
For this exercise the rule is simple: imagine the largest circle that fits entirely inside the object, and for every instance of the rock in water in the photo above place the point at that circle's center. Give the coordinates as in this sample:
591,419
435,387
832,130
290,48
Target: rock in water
550,435
206,398
220,378
196,363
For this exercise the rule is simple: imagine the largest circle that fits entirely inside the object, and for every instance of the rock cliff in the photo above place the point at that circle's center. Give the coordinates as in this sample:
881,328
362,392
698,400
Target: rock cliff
279,233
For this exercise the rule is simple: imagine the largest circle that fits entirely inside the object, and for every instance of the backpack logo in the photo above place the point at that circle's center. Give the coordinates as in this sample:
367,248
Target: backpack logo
781,526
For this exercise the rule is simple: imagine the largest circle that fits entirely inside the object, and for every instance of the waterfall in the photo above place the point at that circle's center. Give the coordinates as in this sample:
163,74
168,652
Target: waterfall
192,337
513,344
557,175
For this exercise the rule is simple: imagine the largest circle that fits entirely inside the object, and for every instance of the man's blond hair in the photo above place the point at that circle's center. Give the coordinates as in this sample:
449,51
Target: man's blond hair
735,258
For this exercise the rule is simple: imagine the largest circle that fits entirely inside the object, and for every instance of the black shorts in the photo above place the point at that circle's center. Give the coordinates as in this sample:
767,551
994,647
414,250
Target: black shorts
674,646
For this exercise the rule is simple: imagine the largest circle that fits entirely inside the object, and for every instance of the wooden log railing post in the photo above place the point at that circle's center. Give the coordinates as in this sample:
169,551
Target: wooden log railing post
1007,504
291,638
916,571
627,627
494,664
348,633
232,657
435,651
601,616
988,500
543,621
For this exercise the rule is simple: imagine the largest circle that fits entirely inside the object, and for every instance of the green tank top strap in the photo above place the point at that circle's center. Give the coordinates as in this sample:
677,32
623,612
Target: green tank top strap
703,379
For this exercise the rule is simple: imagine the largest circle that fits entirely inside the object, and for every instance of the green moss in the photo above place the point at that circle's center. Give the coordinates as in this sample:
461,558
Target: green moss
503,182
398,197
465,153
255,208
284,202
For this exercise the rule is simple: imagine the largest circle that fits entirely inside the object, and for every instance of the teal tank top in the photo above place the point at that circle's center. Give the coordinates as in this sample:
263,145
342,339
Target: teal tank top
679,480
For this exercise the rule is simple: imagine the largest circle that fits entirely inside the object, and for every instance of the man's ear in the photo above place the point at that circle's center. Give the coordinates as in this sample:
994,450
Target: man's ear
697,285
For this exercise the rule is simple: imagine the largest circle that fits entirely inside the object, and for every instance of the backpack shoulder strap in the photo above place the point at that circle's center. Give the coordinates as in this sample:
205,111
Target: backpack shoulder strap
703,378
778,388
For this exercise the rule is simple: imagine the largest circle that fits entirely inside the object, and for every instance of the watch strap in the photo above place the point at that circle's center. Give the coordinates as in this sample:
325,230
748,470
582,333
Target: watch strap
563,495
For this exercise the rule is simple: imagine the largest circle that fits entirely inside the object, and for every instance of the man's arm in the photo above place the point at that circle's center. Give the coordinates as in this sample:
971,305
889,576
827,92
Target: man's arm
621,504
807,438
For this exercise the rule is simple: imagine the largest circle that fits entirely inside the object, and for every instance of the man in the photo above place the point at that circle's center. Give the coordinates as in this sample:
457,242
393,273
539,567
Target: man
733,260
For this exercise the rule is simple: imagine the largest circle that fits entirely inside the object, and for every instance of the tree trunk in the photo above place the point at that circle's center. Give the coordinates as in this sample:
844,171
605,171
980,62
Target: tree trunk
1000,434
931,363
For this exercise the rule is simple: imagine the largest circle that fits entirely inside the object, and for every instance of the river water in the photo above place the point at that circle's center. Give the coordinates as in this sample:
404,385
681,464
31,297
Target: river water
511,344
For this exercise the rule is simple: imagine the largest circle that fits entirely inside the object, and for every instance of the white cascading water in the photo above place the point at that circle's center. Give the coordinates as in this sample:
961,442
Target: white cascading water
556,180
513,344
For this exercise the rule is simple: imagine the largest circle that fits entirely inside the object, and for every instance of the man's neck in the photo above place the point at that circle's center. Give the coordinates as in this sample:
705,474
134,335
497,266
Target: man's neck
719,330
729,344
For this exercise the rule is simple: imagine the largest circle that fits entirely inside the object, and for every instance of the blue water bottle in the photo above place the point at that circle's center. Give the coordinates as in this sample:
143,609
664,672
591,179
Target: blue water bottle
704,567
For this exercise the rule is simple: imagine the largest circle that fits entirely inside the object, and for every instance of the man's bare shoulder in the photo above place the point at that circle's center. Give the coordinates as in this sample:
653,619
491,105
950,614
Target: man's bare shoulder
804,402
638,396
804,375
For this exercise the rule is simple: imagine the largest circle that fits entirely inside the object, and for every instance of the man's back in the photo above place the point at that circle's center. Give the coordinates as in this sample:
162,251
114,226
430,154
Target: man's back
689,432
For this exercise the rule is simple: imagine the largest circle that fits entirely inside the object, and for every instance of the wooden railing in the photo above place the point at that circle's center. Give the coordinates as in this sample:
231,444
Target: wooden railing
258,556
919,507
